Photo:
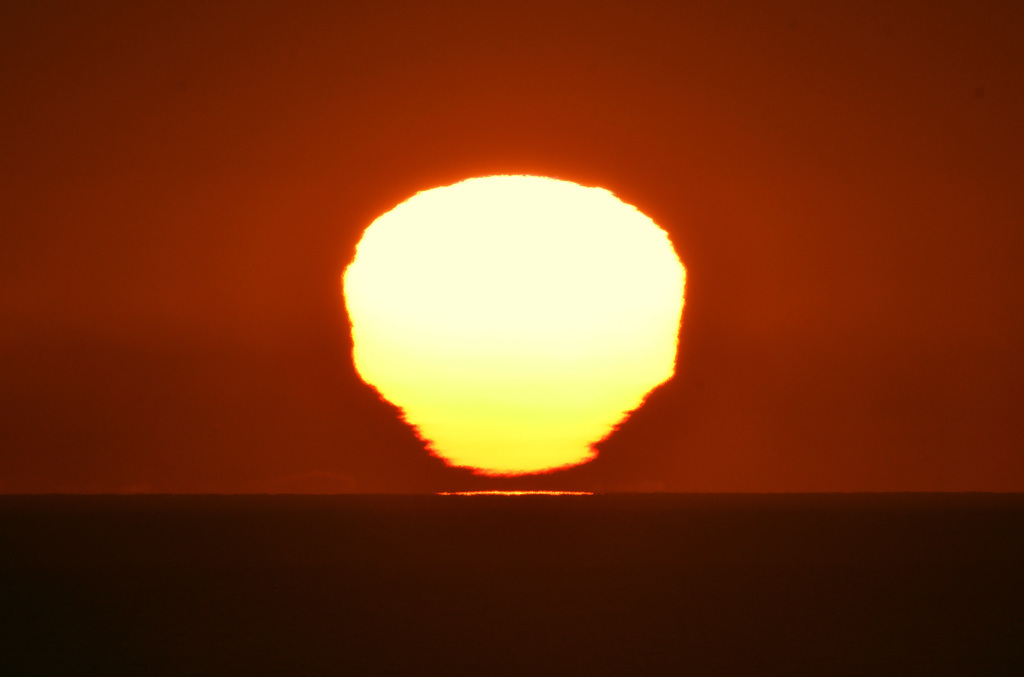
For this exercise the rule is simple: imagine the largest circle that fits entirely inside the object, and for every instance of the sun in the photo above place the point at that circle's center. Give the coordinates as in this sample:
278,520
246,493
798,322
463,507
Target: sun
515,320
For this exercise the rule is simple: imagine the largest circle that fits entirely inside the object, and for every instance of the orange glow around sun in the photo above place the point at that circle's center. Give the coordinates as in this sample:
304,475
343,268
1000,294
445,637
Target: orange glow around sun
515,320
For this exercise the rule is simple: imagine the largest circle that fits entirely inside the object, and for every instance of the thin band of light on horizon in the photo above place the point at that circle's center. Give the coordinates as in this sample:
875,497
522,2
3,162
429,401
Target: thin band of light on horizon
515,320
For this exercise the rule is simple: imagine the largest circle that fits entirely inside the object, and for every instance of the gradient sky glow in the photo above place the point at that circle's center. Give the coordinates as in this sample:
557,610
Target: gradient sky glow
184,183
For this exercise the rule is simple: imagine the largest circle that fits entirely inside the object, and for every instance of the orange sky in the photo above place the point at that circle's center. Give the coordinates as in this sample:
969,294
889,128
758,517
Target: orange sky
183,185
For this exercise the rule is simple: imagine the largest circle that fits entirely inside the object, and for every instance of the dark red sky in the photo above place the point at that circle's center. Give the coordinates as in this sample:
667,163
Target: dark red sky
183,184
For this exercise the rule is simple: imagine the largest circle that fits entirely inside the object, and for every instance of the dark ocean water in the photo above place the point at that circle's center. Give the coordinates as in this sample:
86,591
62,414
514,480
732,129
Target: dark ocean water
883,584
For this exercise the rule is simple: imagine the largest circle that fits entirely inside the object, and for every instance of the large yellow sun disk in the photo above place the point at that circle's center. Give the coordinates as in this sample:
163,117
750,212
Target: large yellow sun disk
515,320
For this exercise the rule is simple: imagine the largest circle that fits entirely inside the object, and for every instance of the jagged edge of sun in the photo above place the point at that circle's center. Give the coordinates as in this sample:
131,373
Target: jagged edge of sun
593,452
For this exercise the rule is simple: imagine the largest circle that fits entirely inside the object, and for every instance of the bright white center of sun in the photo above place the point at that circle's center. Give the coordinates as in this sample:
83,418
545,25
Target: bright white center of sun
515,320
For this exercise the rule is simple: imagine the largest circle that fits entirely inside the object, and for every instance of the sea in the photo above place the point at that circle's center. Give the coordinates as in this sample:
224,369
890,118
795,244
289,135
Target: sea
605,584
